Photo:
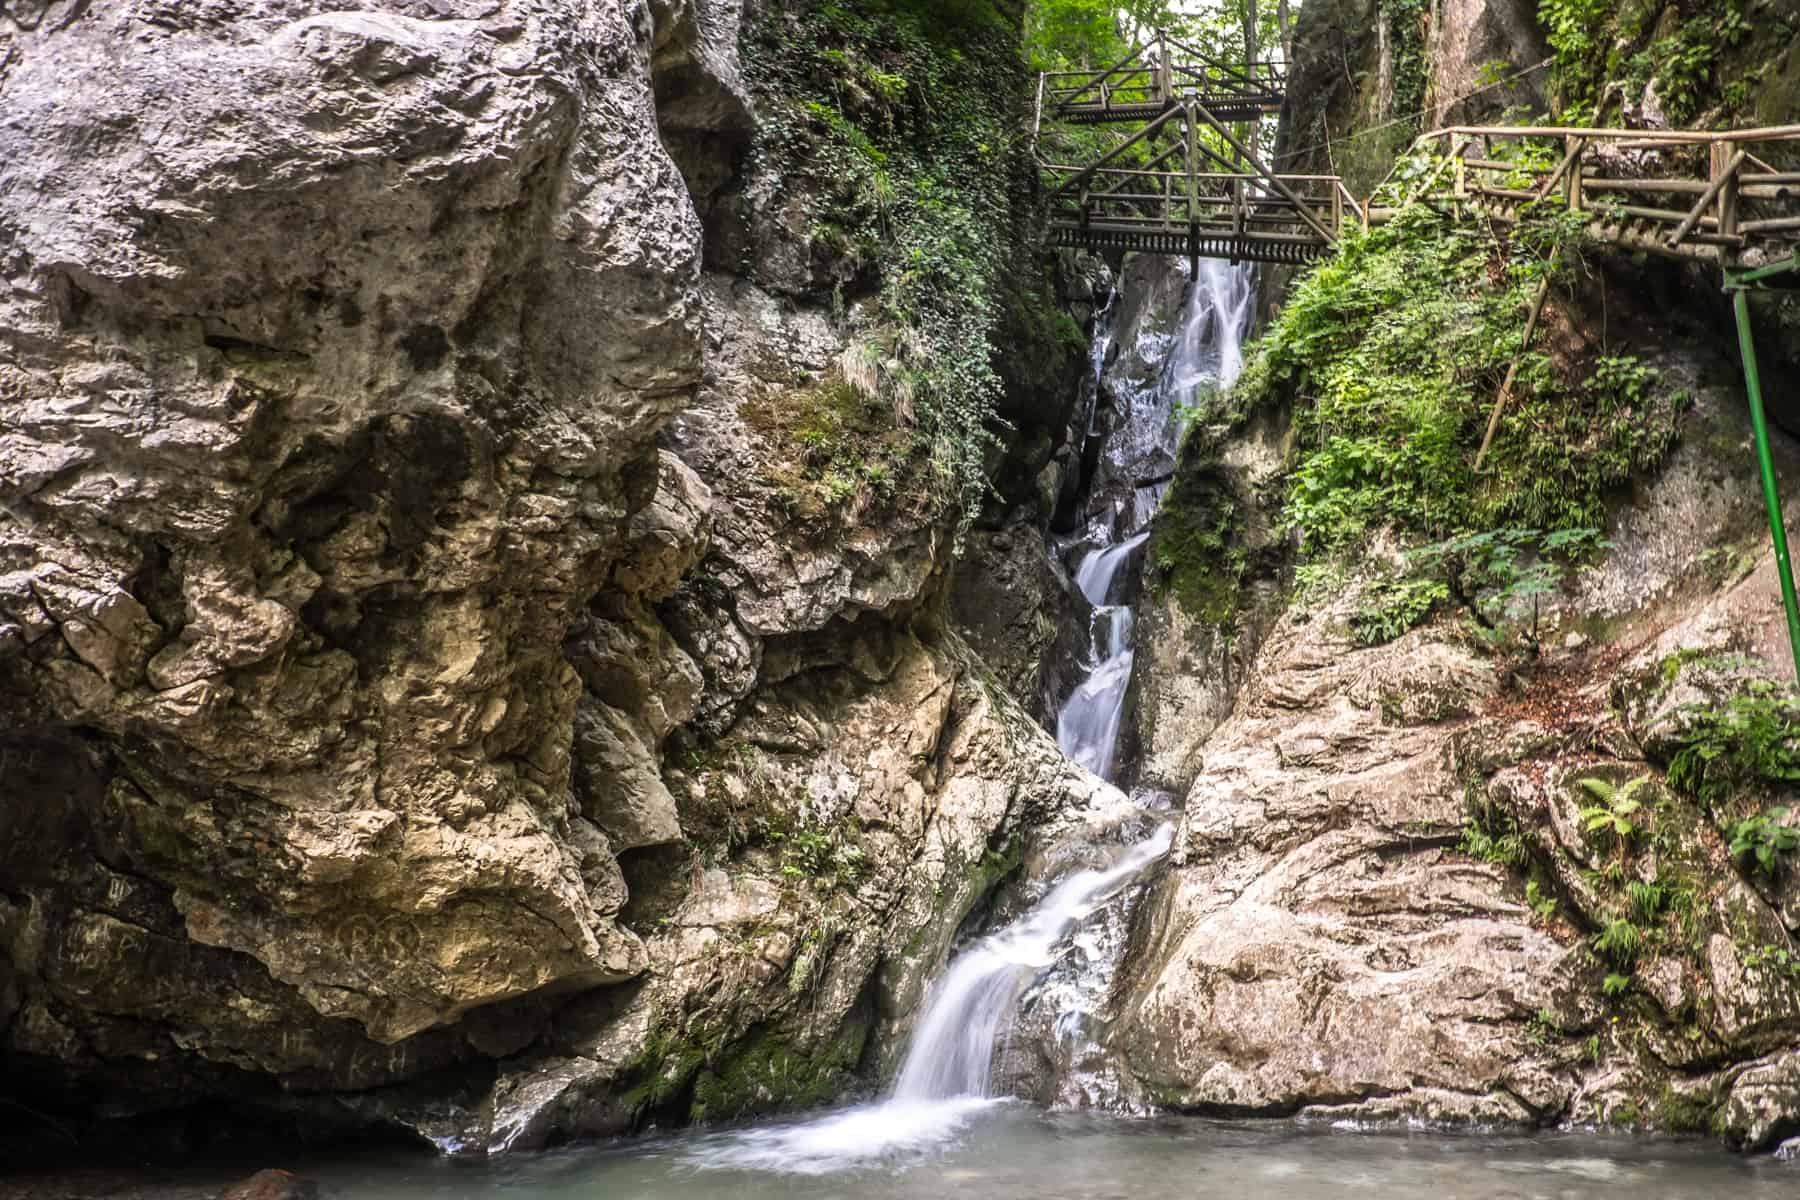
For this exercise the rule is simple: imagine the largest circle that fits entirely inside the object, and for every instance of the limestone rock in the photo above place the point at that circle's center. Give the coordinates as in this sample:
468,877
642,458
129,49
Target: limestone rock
273,1184
1763,1106
329,346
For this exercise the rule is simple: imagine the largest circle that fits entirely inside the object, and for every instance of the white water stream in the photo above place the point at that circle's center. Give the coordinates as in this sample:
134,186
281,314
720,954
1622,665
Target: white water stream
1207,352
945,1079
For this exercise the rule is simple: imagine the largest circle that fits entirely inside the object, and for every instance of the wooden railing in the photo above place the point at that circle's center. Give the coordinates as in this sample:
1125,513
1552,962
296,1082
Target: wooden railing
1225,214
1708,197
1157,76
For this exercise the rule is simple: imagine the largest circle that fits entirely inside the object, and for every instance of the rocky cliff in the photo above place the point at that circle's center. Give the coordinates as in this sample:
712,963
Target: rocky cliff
474,530
1456,848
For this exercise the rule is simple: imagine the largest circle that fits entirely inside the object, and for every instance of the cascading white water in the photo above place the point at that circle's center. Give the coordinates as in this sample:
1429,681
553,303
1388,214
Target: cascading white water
952,1050
945,1078
1207,351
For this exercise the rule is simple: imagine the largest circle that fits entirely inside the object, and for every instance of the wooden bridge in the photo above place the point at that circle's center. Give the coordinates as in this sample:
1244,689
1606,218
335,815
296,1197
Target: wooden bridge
1686,194
1185,183
1155,78
1192,187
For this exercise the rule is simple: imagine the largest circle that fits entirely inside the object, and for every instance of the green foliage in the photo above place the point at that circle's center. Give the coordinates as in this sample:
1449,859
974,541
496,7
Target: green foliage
1648,900
1541,902
1597,42
1492,837
1196,550
1683,61
1390,607
1619,942
895,122
1751,739
1575,29
1764,836
1395,349
1618,805
1774,960
826,856
1500,576
1615,984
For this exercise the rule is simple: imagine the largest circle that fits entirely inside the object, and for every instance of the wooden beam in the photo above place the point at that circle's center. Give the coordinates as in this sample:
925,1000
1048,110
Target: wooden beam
1267,175
1577,145
1102,77
1128,143
1717,185
1512,370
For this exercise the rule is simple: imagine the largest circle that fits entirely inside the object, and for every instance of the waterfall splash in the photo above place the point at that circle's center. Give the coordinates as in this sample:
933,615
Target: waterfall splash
945,1080
953,1048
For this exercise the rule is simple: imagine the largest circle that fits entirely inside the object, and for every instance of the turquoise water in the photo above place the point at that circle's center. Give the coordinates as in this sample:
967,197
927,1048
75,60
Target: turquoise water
1006,1150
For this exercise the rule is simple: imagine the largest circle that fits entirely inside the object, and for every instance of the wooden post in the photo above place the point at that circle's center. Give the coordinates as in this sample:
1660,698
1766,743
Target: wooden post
1576,200
1512,369
1239,213
1193,192
1165,78
1278,186
1724,154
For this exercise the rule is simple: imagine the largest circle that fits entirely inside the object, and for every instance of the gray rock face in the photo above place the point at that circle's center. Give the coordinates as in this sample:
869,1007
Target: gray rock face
378,697
1467,37
1327,942
331,342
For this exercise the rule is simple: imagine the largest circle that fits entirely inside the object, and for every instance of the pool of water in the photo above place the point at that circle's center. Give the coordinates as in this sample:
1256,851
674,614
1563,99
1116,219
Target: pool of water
998,1150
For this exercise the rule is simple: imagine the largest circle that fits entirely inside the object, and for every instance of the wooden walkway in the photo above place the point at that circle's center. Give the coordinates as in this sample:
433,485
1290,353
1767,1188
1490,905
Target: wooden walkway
1686,194
1155,78
1196,188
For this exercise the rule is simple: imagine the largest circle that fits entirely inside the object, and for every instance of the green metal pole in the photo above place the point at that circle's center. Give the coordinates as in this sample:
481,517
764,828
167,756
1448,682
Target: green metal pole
1740,306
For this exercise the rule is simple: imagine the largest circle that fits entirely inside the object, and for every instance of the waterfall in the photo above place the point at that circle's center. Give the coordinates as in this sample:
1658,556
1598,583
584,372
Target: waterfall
1207,351
945,1078
952,1050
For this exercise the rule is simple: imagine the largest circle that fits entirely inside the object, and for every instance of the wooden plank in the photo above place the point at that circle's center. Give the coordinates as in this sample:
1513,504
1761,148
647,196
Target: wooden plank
1249,156
1146,131
1688,187
1770,225
1512,369
1576,146
1695,214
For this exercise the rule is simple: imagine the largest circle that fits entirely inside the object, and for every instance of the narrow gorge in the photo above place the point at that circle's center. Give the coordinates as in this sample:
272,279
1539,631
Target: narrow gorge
716,597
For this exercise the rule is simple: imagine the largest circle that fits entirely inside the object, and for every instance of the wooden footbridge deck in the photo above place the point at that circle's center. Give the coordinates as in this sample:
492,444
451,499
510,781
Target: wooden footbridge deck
1184,182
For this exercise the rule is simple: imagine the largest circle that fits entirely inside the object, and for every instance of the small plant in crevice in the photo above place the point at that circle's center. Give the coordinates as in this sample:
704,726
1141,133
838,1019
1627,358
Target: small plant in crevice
1619,942
1492,836
1390,607
1777,961
1751,739
1764,837
1540,901
1501,577
1617,813
1648,900
1615,985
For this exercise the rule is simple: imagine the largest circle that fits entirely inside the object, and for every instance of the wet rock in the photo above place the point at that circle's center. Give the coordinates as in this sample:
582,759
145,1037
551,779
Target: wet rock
1763,1105
1016,608
273,1184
